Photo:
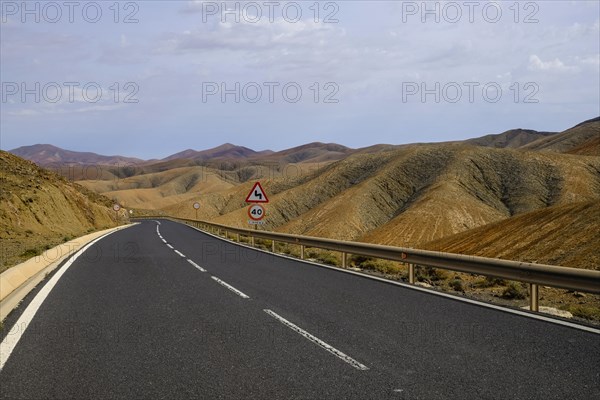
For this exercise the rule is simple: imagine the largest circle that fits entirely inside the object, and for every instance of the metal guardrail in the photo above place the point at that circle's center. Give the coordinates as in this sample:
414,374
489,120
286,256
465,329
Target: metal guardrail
534,274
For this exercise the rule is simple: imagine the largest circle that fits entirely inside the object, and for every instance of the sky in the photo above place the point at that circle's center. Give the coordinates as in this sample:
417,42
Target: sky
151,78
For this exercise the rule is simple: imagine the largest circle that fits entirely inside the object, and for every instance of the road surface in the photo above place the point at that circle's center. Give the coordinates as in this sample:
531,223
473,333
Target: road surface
160,310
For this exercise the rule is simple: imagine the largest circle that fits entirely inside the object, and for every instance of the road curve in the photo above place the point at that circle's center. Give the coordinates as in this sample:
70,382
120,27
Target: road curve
160,310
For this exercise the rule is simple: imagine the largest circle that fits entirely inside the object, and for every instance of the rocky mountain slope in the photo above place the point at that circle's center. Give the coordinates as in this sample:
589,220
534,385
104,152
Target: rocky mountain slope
411,196
579,139
39,209
565,234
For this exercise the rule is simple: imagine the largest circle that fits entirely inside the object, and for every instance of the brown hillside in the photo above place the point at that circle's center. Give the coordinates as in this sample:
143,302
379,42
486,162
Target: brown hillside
292,198
588,148
423,192
227,151
45,155
487,185
512,139
565,234
158,190
569,140
174,189
39,209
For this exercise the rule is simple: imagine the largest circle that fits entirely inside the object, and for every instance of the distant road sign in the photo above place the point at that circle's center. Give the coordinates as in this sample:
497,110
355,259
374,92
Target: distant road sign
116,207
256,212
257,195
196,205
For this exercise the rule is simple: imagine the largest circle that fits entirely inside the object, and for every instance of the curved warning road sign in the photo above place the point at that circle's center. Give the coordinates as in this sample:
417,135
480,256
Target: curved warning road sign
257,195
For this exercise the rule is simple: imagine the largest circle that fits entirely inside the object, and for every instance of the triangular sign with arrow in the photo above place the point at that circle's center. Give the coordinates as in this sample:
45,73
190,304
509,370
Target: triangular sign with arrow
257,195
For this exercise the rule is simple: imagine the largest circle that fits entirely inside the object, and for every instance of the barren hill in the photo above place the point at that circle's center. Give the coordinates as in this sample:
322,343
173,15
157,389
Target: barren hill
513,138
162,189
311,152
423,192
565,234
39,209
580,139
406,195
48,155
226,151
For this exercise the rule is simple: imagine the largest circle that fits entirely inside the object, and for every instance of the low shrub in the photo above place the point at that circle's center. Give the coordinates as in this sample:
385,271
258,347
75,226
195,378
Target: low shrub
321,256
30,253
328,258
457,285
585,312
383,266
514,292
490,281
430,274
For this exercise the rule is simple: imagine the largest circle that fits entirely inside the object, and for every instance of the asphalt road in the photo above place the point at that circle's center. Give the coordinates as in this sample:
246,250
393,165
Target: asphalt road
186,315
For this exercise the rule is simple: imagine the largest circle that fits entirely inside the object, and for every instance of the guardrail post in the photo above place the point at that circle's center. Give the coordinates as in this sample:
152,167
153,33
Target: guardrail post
302,252
533,297
238,237
273,246
253,241
344,259
411,273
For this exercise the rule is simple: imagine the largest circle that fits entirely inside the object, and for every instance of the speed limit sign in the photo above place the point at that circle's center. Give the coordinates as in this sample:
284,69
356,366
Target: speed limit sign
256,212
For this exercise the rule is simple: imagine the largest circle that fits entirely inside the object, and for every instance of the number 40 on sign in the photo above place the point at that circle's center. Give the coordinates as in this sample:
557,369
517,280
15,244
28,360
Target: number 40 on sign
256,212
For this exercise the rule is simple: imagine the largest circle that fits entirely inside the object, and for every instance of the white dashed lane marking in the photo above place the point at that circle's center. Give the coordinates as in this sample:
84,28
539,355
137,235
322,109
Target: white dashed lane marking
318,341
196,266
228,286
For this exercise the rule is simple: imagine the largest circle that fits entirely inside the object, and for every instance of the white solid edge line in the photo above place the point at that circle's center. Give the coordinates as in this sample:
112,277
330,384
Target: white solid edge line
316,340
420,289
196,265
228,286
169,246
179,253
11,340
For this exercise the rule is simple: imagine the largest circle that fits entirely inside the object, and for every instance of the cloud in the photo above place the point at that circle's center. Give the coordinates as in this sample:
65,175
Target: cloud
556,65
23,113
593,61
68,101
247,37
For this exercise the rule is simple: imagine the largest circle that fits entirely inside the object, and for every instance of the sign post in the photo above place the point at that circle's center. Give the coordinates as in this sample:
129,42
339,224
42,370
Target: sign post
116,207
196,207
